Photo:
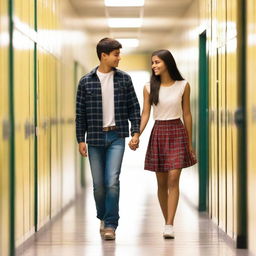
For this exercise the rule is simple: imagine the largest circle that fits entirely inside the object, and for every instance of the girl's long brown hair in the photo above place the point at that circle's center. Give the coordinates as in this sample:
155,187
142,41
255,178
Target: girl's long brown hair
155,81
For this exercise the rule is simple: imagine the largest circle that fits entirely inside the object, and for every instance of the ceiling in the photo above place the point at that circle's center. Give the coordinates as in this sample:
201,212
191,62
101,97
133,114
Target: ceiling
160,17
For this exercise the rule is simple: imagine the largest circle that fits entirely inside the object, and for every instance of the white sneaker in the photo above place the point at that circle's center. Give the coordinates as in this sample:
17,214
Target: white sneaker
168,231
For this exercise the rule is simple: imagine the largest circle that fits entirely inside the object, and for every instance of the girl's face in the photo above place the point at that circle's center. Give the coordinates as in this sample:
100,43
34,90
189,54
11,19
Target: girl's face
158,66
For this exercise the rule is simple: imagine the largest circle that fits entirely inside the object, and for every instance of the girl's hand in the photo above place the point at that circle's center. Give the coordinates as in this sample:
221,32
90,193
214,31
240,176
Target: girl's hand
192,151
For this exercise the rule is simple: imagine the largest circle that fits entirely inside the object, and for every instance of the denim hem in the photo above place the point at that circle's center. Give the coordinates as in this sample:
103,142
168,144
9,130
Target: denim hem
111,226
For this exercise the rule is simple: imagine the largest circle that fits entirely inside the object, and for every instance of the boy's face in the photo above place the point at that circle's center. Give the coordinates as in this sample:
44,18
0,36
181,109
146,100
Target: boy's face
112,59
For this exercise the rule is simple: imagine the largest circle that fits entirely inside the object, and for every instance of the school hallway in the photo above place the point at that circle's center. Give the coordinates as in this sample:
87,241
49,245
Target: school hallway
46,197
76,231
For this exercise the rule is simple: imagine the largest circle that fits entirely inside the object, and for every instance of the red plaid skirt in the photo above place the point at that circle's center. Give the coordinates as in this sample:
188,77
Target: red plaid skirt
168,147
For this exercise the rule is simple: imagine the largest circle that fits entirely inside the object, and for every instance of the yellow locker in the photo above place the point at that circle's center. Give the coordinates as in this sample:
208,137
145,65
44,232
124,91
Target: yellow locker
214,105
32,137
210,187
55,167
4,133
251,124
24,14
231,138
17,11
43,140
213,135
59,130
221,22
231,19
19,136
221,137
24,119
48,131
40,137
24,150
68,137
39,15
231,107
58,88
40,132
26,124
32,13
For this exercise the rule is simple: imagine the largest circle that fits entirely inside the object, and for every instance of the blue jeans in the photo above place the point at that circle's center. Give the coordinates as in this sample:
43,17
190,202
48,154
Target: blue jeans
105,165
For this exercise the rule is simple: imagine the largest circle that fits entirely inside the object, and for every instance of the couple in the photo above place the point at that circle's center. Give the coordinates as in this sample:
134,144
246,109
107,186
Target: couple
106,100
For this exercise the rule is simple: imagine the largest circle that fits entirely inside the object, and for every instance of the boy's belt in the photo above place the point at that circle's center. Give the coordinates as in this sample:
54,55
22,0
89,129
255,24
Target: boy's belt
109,128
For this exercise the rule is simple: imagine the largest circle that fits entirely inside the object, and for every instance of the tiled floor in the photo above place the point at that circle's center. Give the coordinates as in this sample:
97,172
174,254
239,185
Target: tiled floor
140,227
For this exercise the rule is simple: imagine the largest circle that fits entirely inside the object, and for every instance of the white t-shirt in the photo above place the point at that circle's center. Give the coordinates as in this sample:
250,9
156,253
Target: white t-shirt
170,101
107,91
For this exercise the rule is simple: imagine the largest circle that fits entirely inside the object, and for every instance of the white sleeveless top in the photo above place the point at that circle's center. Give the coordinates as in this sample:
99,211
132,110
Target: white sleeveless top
170,101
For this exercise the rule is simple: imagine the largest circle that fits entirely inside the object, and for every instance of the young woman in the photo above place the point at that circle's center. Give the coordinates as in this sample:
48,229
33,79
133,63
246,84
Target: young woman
170,144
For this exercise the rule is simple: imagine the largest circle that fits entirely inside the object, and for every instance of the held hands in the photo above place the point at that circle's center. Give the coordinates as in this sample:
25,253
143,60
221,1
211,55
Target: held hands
134,142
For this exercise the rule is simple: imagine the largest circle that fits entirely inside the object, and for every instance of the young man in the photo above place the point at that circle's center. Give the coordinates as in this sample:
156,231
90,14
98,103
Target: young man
106,100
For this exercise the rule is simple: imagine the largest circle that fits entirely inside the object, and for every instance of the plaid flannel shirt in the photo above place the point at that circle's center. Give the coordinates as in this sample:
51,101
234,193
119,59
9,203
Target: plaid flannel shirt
89,117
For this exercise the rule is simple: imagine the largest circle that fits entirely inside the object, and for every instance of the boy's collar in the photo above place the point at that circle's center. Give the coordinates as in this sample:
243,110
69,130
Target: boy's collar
94,71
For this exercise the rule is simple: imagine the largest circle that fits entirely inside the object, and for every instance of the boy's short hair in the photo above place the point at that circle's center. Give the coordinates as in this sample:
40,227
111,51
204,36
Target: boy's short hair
107,45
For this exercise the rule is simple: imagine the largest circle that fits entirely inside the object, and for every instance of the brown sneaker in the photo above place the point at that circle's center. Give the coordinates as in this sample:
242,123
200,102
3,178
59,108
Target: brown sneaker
109,234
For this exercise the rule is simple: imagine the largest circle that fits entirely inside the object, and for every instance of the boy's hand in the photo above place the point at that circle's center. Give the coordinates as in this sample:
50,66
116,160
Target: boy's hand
83,149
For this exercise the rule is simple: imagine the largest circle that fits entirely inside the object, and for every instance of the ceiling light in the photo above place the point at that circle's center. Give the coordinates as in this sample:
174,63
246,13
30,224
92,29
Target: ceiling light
128,42
124,2
124,22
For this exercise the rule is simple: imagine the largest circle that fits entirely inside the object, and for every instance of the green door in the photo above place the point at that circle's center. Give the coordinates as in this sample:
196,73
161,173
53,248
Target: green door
203,123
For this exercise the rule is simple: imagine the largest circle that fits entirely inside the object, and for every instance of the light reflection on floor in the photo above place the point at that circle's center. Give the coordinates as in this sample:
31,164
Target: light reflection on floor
140,227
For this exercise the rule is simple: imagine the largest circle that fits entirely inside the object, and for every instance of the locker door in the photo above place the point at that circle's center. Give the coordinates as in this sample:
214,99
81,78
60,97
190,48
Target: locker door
43,152
231,106
213,154
251,123
80,161
213,170
55,161
21,147
4,134
32,137
231,137
24,149
222,136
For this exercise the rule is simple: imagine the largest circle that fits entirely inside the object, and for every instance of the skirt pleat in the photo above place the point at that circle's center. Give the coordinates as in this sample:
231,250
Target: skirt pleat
168,147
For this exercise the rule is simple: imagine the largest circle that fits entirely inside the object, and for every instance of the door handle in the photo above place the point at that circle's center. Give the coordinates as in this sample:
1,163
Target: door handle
254,113
239,117
6,130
